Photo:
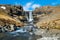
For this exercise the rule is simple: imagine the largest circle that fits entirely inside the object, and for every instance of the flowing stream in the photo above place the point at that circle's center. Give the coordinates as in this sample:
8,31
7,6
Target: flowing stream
26,32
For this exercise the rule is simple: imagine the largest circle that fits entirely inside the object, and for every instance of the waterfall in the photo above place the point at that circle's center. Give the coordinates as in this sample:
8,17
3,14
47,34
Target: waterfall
30,17
30,28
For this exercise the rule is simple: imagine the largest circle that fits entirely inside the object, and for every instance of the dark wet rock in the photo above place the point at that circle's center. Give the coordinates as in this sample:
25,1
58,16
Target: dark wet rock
21,36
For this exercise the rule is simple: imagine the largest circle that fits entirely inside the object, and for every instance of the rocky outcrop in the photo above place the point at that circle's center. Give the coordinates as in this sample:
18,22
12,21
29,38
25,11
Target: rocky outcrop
9,14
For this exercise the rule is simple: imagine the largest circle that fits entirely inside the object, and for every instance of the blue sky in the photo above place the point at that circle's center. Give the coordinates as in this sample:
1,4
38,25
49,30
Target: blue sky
31,4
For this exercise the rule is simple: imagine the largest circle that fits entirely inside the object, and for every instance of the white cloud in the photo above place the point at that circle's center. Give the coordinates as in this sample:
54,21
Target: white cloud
30,5
27,6
35,5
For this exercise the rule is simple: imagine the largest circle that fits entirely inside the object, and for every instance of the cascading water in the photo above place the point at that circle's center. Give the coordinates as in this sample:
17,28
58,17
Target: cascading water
26,31
30,18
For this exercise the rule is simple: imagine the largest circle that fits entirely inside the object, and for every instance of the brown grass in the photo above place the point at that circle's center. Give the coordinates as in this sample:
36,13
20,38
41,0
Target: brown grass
5,18
51,20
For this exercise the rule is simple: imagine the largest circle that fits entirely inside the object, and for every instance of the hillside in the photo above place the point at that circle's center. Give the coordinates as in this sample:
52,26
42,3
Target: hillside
49,17
7,15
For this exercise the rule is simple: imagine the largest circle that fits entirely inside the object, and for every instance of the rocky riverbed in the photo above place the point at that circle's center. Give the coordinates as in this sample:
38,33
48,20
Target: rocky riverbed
42,34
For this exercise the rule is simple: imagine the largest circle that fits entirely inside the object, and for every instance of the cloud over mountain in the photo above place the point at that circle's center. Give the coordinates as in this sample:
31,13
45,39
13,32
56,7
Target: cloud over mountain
30,6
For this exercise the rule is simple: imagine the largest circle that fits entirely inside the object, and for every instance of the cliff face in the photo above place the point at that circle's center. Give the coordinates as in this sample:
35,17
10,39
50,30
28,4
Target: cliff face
9,15
49,17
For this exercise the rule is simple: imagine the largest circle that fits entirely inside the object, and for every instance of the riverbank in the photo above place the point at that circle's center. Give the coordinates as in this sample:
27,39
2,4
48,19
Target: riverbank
42,34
